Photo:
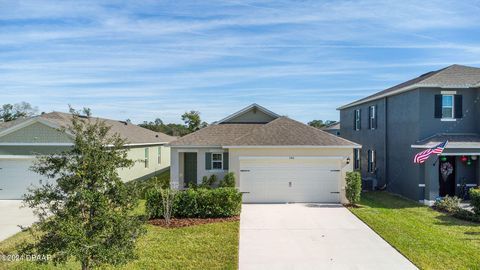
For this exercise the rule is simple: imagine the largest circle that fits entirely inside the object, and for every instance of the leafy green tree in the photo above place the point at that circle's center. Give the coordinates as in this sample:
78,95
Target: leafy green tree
9,112
85,210
192,121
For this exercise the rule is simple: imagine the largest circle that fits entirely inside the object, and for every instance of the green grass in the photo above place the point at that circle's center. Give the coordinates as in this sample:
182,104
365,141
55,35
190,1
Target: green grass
210,246
431,240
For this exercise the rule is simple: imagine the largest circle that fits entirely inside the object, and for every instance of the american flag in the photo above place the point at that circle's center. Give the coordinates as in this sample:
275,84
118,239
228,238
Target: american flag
422,156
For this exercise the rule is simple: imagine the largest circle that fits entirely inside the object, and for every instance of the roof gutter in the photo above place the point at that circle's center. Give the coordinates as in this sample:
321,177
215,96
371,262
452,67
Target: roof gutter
292,146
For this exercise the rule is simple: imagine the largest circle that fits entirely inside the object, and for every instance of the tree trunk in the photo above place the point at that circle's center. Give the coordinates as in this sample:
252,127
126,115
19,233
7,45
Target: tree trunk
84,266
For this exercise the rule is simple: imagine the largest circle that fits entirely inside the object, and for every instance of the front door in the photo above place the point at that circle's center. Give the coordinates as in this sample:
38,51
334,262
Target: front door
190,168
447,177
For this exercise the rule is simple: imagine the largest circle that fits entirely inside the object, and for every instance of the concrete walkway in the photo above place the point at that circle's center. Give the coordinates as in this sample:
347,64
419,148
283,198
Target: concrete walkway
12,215
311,236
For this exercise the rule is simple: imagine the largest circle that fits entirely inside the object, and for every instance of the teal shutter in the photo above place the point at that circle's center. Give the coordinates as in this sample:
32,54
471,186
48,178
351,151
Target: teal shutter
225,161
208,161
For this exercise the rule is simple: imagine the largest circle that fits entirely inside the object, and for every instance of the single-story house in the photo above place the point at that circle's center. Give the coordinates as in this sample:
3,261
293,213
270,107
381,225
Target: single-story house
275,159
22,139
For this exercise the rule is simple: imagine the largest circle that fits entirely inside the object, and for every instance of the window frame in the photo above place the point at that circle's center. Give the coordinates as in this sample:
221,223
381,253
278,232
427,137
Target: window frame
452,116
356,115
147,157
371,161
213,161
159,155
372,119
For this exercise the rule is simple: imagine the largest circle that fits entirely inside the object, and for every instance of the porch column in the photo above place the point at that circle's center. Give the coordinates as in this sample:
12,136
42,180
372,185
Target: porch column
431,178
175,163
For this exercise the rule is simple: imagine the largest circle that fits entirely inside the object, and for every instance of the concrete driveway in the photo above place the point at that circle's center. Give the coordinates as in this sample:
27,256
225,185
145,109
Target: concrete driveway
12,215
311,236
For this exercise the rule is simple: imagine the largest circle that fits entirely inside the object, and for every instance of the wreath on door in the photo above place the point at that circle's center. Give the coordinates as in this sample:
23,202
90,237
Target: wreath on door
446,169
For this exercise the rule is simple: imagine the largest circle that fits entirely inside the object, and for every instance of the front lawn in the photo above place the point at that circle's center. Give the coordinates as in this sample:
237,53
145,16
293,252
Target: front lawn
431,240
210,246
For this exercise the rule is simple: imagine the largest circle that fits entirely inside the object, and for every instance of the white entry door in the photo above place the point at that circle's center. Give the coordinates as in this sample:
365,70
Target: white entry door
16,177
288,179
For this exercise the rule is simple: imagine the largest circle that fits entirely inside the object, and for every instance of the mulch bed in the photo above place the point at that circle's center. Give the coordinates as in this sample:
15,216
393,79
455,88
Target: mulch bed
348,205
185,222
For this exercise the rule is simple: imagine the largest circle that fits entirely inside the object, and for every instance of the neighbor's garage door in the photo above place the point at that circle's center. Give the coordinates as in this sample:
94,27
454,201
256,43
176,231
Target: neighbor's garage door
15,178
290,179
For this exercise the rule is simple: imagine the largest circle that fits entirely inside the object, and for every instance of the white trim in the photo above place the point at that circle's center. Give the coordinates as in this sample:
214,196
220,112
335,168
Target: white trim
17,157
448,119
254,105
187,150
372,116
143,144
448,92
195,146
421,185
217,161
290,157
426,202
36,144
449,146
460,154
452,118
294,146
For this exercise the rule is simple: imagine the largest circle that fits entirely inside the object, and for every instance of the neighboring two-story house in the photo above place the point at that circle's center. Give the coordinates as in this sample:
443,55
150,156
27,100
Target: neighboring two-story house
395,124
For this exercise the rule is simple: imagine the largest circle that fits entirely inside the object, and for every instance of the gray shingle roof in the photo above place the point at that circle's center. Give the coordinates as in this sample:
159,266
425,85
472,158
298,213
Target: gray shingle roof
282,131
132,133
455,76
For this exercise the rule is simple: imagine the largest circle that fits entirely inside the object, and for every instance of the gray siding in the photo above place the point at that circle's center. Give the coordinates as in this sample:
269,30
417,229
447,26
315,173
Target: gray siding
404,119
369,139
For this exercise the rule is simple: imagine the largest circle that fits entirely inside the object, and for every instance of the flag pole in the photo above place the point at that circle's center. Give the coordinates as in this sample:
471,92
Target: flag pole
438,157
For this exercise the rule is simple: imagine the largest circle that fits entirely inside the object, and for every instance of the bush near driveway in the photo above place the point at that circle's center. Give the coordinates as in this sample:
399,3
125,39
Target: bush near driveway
354,187
197,203
475,200
448,204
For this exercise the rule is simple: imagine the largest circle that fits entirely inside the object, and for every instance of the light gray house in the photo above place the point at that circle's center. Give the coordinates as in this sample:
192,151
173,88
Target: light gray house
274,158
395,124
333,128
21,140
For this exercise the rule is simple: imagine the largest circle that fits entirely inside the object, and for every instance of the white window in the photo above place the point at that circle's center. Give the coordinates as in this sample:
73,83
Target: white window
371,161
372,119
447,106
159,156
357,120
146,157
356,159
217,161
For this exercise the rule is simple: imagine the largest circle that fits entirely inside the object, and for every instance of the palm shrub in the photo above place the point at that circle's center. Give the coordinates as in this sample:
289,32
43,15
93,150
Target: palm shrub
475,200
353,187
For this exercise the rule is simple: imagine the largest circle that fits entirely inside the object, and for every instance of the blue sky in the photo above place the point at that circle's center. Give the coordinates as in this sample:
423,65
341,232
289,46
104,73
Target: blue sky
147,59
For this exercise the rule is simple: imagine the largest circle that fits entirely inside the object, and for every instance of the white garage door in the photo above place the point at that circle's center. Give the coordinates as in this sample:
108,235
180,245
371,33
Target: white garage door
15,178
290,179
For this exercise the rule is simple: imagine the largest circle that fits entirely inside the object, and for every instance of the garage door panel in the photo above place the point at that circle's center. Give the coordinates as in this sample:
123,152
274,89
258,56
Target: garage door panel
16,177
280,182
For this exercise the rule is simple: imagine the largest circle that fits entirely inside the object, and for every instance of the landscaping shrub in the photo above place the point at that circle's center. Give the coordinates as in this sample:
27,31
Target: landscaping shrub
353,187
198,203
208,182
475,200
141,187
466,215
228,180
448,204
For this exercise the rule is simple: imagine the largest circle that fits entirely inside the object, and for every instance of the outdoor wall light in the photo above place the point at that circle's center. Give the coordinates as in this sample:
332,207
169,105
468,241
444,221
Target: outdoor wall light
348,160
474,157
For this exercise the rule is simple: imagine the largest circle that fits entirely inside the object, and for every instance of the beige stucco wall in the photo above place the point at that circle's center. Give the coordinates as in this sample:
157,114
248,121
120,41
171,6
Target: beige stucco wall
235,153
137,154
234,161
177,165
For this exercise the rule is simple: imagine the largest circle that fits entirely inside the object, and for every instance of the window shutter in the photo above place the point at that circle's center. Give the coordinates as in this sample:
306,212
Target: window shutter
225,161
208,161
438,106
354,119
458,106
376,116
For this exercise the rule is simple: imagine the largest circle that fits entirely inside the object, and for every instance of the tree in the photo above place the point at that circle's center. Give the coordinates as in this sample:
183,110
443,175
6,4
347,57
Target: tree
192,121
320,123
85,212
10,112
